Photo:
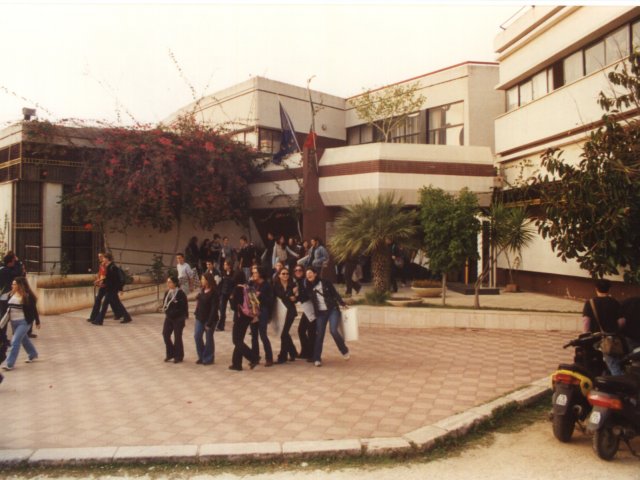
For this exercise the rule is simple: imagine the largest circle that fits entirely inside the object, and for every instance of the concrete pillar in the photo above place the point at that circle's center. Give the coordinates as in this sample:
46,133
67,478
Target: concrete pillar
51,226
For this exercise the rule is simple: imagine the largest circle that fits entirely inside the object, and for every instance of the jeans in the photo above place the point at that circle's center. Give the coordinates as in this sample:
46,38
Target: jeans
205,349
97,303
20,329
260,329
613,363
333,318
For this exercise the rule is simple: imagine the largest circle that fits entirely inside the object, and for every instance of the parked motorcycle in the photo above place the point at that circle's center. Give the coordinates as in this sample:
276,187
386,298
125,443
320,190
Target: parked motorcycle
616,408
571,384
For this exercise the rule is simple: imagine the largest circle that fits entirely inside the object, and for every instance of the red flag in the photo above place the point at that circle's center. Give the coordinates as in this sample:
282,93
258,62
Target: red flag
310,142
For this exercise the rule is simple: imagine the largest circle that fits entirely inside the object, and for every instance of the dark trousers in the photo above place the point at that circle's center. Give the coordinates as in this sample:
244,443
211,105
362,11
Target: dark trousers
112,298
175,348
349,268
224,300
4,340
307,335
240,349
259,329
287,347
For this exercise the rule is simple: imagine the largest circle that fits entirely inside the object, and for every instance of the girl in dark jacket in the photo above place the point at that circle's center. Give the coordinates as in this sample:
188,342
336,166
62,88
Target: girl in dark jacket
264,291
207,306
326,301
176,312
22,313
283,288
307,326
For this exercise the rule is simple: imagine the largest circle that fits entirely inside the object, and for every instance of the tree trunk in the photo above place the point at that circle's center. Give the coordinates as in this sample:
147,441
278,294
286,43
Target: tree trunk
380,269
444,289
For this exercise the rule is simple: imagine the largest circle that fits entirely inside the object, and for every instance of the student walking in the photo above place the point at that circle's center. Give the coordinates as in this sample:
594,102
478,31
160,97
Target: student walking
284,290
206,314
23,312
241,323
176,312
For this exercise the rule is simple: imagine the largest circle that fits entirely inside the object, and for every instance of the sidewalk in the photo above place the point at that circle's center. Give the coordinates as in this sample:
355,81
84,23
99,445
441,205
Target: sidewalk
107,388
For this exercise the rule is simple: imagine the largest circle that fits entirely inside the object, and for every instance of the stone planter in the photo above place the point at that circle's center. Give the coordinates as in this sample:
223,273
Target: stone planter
427,292
404,301
511,288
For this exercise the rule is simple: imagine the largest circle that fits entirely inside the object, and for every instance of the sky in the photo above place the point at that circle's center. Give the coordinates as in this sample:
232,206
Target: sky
123,62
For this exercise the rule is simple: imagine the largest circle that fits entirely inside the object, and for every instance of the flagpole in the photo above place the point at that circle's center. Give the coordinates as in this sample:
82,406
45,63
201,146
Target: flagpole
313,125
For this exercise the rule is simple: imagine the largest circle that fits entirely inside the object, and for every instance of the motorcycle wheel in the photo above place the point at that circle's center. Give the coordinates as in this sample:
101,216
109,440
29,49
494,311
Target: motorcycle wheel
606,443
563,425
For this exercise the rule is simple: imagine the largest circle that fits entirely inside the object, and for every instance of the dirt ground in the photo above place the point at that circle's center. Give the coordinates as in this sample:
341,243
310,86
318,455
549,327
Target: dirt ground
531,453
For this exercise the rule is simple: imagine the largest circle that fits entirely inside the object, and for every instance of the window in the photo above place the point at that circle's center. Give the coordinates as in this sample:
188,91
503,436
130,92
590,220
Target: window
526,92
269,140
617,45
407,131
594,58
360,134
572,67
540,84
635,35
512,98
446,124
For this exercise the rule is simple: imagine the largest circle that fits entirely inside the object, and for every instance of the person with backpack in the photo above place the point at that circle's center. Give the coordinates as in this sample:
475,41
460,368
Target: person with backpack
245,311
264,292
23,312
114,281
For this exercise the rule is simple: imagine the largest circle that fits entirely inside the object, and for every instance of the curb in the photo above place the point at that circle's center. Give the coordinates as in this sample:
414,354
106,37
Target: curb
418,441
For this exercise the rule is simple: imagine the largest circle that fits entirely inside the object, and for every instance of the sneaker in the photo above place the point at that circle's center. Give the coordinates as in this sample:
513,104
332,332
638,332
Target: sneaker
346,356
317,364
126,320
7,368
31,360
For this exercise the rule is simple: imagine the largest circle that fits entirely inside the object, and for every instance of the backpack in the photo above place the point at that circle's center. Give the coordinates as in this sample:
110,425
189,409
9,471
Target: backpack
250,304
122,277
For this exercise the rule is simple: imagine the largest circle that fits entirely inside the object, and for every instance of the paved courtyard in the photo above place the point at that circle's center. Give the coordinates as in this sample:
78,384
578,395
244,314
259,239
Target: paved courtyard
105,386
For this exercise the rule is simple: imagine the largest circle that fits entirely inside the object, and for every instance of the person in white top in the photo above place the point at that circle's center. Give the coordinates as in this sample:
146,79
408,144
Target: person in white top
185,274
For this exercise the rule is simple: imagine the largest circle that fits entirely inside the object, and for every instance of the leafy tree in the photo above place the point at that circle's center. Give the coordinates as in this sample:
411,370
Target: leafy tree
370,227
388,108
450,229
156,177
591,211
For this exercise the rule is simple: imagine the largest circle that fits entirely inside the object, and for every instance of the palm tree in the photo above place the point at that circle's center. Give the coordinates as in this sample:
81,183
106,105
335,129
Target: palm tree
370,227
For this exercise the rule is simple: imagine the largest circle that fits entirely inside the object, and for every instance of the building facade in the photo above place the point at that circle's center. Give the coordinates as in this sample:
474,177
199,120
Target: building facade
554,61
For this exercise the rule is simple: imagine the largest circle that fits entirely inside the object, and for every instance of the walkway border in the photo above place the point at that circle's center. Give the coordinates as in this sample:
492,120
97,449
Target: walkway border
420,440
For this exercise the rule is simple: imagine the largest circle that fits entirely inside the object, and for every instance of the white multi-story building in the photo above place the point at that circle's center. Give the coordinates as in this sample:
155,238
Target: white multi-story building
554,62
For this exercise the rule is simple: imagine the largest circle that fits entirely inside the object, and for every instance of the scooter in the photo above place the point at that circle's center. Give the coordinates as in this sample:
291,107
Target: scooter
571,384
616,408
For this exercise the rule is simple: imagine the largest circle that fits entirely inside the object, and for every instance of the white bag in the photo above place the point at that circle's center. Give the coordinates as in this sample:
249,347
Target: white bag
5,319
349,324
278,317
307,308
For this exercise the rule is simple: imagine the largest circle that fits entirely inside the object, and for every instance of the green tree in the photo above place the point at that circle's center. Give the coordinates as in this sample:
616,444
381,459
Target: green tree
451,229
510,230
369,228
591,211
388,108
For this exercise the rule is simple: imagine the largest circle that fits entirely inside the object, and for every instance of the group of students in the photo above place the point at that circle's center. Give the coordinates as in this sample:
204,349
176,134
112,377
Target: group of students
252,300
17,308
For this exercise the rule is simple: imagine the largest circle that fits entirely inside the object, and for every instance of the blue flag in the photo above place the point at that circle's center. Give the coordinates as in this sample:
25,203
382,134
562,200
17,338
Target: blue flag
288,141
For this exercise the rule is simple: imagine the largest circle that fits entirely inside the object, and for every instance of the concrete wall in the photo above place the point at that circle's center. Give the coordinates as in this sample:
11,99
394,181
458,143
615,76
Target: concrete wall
6,214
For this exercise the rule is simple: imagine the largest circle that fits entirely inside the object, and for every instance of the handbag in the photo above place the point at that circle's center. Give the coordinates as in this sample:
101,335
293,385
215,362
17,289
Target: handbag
5,319
610,344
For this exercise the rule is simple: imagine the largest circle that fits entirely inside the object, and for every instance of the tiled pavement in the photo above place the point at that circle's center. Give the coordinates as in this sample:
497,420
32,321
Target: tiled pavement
108,386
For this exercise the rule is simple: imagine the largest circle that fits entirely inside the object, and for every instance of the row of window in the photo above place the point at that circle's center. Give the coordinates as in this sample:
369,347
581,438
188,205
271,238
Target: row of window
606,50
443,125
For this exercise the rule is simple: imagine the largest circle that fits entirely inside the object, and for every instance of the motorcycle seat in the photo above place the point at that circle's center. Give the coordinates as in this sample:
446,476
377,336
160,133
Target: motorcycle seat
576,368
617,383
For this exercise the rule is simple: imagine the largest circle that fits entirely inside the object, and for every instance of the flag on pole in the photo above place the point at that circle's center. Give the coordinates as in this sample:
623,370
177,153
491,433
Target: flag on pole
310,142
288,142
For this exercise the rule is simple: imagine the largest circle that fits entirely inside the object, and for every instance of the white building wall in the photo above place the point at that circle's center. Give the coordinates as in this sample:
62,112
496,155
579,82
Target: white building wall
51,225
6,216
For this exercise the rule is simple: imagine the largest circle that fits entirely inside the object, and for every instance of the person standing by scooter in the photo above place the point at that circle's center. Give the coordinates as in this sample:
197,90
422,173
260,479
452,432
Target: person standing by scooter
607,318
